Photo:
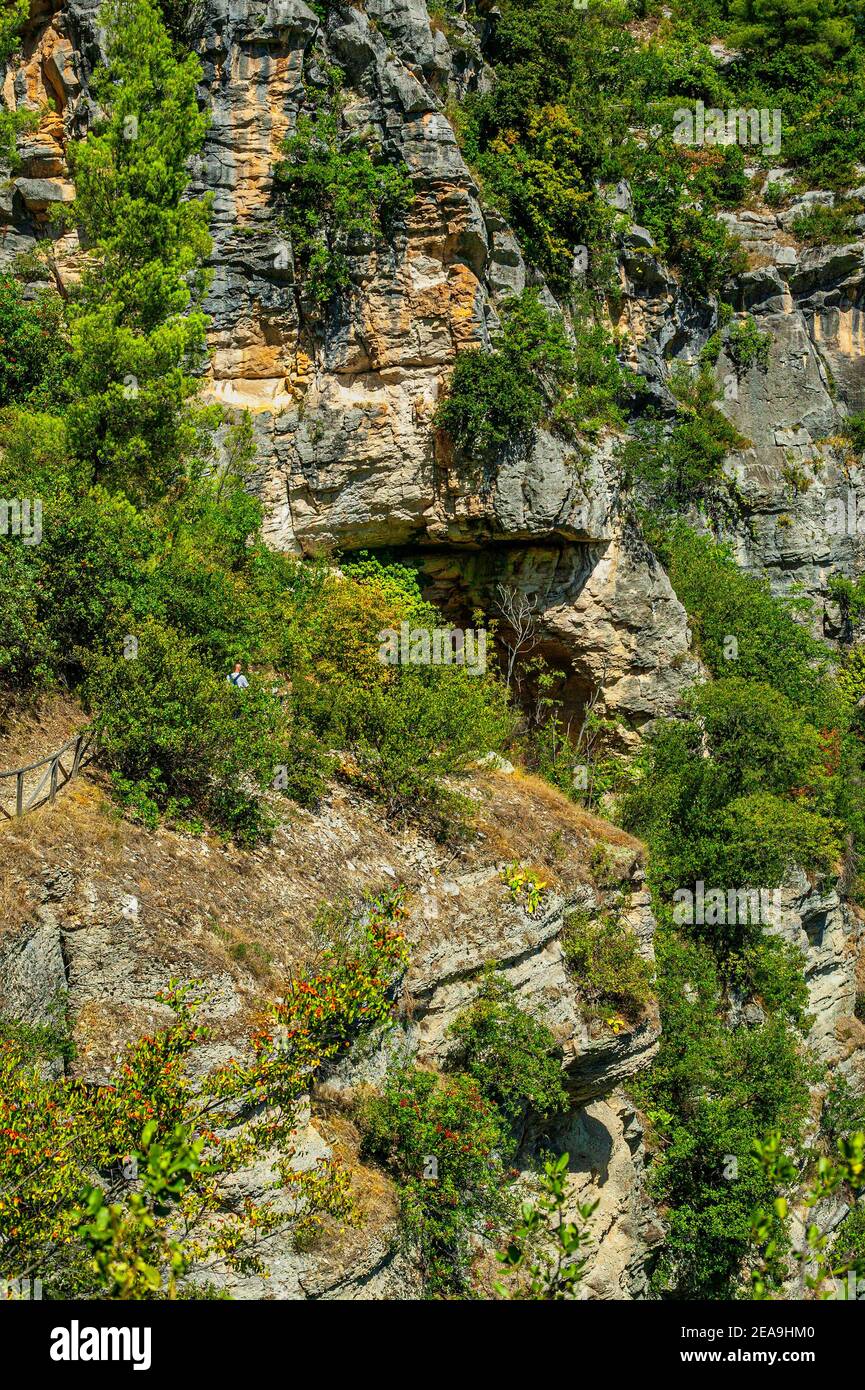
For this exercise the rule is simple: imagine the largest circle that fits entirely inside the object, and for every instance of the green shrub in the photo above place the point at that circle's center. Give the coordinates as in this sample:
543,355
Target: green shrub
796,27
771,971
821,226
496,396
32,345
854,428
677,209
603,955
534,374
512,1057
27,652
849,1245
672,469
440,1141
175,735
767,836
735,796
338,198
723,601
427,724
62,593
707,1213
747,346
489,402
395,582
11,23
407,728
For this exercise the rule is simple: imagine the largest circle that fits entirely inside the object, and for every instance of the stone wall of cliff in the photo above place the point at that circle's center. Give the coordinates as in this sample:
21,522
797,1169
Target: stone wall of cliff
348,459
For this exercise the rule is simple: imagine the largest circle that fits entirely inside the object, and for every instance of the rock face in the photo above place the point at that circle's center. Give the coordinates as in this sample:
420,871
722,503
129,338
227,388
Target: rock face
103,922
605,1142
828,933
347,456
348,459
798,479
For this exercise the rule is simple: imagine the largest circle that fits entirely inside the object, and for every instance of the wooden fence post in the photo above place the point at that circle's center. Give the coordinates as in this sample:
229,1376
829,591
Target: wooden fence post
81,746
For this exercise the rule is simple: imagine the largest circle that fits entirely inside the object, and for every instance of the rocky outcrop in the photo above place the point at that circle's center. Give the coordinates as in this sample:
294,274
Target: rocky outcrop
604,1140
47,81
829,935
800,478
797,480
105,919
348,457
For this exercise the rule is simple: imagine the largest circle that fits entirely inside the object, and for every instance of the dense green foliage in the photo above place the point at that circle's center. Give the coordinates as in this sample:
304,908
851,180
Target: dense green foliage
779,783
670,467
712,1092
340,197
747,346
177,736
511,1056
820,225
405,727
536,372
762,774
12,21
31,333
583,95
572,85
801,28
611,975
446,1140
738,793
441,1141
771,644
136,336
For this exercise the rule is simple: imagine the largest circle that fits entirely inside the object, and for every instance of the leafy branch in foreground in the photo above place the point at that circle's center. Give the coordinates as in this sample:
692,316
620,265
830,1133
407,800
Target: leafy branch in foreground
544,1246
125,1191
821,1268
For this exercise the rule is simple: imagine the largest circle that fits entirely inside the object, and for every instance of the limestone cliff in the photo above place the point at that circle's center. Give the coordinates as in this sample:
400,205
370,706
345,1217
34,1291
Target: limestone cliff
348,459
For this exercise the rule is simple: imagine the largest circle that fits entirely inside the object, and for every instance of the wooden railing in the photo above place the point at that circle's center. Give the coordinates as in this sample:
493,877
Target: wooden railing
42,790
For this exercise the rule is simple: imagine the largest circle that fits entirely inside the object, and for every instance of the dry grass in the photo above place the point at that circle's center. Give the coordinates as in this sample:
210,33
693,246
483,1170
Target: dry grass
211,910
32,728
523,818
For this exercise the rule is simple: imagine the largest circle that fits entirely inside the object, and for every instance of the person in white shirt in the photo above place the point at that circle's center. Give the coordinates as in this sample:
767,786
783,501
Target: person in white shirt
237,678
